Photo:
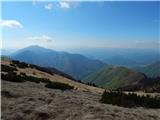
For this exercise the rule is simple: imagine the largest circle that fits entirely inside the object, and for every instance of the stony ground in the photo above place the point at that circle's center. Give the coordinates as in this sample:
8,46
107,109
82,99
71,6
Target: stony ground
31,101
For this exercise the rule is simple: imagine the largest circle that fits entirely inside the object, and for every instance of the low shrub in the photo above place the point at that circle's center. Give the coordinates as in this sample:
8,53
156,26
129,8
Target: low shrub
88,83
13,65
44,80
6,68
12,76
31,79
58,85
32,66
15,62
34,79
91,84
43,69
20,64
130,100
37,80
23,74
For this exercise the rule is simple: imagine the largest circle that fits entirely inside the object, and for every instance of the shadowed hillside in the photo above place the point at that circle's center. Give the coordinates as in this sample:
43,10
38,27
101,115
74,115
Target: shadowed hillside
149,85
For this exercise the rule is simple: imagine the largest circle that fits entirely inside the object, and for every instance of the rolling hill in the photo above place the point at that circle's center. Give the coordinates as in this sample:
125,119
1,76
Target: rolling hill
152,70
114,77
20,72
31,98
75,65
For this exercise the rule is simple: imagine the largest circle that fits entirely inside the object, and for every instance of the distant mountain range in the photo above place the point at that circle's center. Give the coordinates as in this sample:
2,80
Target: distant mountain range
121,61
114,77
152,70
121,56
75,65
89,70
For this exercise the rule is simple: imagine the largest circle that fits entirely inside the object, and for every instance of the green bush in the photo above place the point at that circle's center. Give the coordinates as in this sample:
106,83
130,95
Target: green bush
32,79
44,80
12,76
91,84
41,69
20,64
6,68
88,83
36,80
13,65
130,100
23,74
44,70
15,62
58,85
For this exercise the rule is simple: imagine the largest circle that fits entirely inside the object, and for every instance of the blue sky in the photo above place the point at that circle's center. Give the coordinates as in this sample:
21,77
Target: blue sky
62,25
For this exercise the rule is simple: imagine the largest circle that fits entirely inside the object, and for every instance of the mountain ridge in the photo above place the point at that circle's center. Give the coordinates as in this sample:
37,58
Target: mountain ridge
75,65
151,70
114,77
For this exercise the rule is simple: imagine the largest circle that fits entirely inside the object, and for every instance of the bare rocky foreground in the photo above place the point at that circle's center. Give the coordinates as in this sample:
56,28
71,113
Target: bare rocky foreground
31,101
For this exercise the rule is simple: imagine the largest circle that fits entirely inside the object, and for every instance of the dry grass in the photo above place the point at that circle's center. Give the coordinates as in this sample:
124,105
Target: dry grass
36,73
31,101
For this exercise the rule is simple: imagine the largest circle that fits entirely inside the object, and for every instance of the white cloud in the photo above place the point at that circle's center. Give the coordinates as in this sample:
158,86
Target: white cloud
49,6
42,38
61,4
10,24
64,4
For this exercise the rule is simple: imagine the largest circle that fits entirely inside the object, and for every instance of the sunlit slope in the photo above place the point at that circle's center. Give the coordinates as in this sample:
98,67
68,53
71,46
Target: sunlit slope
44,73
114,77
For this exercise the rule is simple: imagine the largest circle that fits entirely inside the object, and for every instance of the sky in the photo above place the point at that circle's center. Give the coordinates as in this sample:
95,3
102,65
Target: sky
60,25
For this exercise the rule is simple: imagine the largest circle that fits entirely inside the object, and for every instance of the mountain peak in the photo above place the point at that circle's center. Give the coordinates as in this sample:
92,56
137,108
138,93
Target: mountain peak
34,47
